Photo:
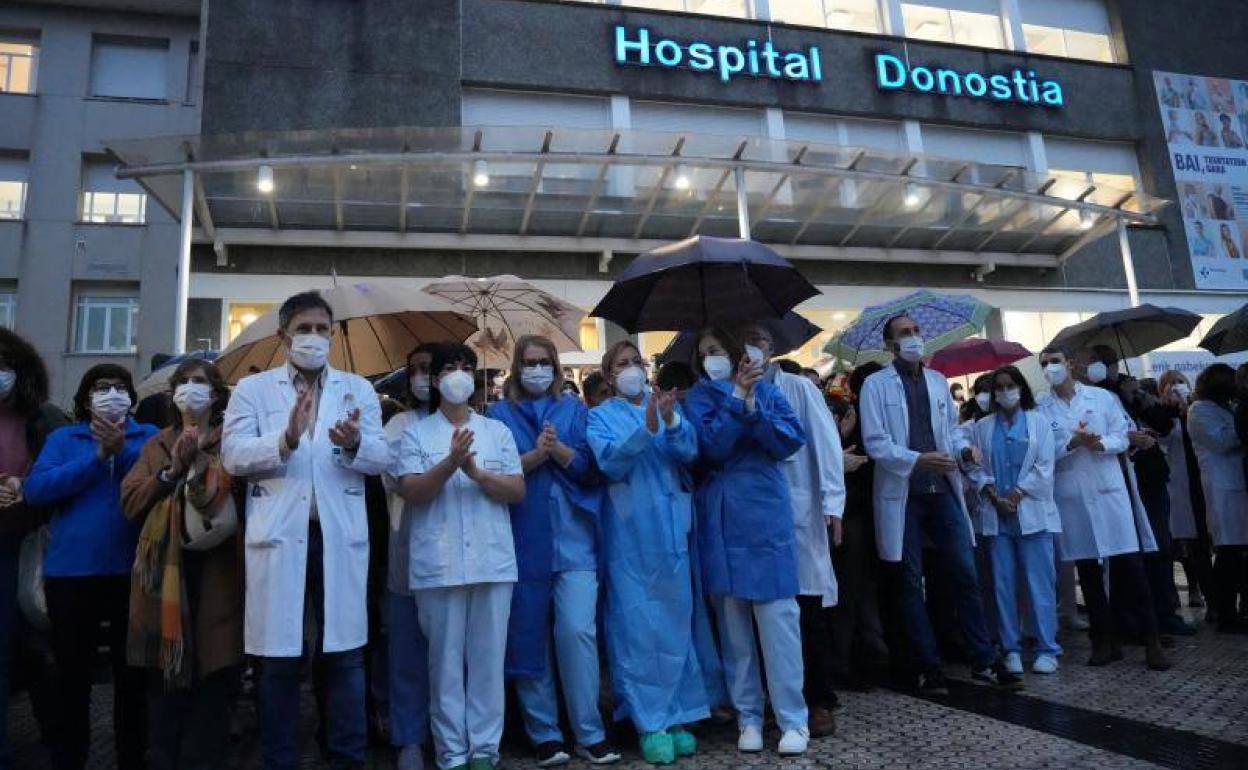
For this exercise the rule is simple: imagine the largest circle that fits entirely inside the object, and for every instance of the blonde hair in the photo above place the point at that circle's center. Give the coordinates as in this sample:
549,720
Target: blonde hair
514,386
1169,379
609,357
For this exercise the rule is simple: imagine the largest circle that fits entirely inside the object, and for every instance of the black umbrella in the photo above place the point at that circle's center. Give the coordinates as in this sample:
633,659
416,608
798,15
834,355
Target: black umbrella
788,334
703,281
1229,334
1132,332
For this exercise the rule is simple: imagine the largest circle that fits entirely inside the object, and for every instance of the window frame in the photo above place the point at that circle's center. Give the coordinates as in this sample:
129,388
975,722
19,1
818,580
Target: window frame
85,303
133,42
33,42
8,308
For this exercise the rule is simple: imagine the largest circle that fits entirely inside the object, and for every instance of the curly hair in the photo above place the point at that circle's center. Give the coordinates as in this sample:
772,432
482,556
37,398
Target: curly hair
82,398
31,389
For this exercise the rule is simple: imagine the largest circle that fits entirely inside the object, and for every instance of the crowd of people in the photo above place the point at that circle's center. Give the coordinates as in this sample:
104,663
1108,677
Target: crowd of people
698,543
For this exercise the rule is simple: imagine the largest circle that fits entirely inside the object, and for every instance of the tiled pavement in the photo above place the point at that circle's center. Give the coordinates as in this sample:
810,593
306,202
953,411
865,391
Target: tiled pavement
1195,715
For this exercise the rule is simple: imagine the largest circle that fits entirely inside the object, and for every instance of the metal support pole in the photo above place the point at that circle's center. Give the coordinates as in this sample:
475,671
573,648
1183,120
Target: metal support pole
743,204
1133,289
184,261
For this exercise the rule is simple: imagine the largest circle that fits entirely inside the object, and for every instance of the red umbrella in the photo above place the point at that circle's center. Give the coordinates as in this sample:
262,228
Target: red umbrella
976,355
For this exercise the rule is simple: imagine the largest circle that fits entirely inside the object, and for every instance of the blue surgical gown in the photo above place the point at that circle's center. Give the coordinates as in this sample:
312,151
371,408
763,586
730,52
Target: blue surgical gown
555,526
745,519
664,669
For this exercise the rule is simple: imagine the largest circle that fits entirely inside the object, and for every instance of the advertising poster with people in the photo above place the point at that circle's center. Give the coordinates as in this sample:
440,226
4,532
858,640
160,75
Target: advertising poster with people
1206,122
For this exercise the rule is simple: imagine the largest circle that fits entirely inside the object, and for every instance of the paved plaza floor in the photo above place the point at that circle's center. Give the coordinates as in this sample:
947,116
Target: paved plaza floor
1120,716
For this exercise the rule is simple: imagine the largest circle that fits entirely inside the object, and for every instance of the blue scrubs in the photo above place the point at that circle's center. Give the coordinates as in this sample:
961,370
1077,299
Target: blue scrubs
1010,551
664,670
747,543
555,530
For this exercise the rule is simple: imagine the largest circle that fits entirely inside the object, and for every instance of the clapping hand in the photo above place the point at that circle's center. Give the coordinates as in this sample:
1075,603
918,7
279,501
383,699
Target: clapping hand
10,490
184,450
548,439
300,418
1141,439
665,402
110,435
346,433
461,454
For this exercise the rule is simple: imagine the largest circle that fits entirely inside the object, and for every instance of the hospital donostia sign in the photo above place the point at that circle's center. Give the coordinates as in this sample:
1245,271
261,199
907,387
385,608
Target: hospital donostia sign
761,59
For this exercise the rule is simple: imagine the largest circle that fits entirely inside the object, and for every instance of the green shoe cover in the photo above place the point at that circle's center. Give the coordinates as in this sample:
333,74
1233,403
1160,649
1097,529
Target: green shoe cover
683,741
657,748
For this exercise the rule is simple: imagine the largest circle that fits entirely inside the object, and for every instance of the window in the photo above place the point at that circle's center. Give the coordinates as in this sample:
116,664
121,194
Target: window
109,200
12,188
966,22
19,57
590,338
1106,164
106,324
855,15
194,85
242,315
1075,28
129,68
734,8
8,309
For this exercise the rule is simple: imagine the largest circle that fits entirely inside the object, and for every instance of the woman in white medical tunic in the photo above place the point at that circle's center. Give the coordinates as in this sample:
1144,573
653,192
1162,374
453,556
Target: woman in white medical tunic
460,471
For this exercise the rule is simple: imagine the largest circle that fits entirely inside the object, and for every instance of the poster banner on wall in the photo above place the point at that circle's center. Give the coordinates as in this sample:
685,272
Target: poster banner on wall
1206,122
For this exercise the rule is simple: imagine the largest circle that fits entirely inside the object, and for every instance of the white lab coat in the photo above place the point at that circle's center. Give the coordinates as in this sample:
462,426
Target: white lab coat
1182,516
886,436
1221,459
1036,511
1101,515
279,500
815,475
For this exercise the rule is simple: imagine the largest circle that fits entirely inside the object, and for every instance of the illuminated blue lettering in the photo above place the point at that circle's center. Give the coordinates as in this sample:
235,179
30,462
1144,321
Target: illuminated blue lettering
925,75
753,56
816,66
700,57
976,85
731,61
1052,94
1000,87
668,53
623,45
890,72
796,67
947,82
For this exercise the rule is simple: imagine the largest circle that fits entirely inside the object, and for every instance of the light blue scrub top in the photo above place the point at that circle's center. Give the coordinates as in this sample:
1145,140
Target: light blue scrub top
1009,447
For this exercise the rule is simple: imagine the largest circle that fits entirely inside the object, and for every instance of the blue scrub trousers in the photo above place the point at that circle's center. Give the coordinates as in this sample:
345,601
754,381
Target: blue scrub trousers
467,631
1032,556
575,644
10,547
407,672
940,518
779,631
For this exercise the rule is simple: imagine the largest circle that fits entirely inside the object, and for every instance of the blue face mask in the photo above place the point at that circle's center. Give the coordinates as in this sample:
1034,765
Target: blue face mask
910,349
537,379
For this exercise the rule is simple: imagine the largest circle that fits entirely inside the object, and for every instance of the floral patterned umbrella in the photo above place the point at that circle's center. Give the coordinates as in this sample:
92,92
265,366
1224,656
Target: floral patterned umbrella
942,318
507,308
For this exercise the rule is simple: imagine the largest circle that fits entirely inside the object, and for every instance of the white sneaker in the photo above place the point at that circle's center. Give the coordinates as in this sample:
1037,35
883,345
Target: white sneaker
1013,663
751,739
794,742
1045,664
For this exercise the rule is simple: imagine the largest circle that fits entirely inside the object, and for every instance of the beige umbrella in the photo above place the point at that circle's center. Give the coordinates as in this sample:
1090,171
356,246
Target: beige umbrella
375,329
507,308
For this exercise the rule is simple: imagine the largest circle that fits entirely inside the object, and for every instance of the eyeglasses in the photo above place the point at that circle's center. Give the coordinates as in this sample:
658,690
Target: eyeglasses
104,387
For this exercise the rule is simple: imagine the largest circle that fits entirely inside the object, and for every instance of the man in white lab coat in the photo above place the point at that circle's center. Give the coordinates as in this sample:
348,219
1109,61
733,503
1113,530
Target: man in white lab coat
305,435
815,475
909,427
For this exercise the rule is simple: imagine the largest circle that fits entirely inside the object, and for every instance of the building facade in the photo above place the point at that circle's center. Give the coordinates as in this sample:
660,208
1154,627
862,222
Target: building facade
1054,101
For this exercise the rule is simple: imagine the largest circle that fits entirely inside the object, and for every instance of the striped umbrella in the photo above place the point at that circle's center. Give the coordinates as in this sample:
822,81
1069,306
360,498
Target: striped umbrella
942,318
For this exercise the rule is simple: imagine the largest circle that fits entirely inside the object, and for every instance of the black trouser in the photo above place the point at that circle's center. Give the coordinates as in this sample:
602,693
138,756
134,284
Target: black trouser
850,620
77,606
1197,560
1229,572
189,729
1131,595
1159,564
816,652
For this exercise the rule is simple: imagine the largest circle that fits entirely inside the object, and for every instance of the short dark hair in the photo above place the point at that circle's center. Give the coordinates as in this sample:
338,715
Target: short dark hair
31,389
1216,383
1049,349
445,355
220,391
297,303
1105,354
1026,398
888,325
82,398
789,366
983,383
956,386
860,375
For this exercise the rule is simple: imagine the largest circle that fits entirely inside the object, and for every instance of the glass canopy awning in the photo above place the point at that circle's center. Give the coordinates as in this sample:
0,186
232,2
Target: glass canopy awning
624,188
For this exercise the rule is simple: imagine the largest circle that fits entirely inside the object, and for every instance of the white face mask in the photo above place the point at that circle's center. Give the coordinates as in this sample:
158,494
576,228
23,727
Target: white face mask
8,378
456,387
193,398
717,367
756,355
1097,372
419,385
537,379
1182,389
1055,374
112,405
630,381
910,348
1009,398
984,400
309,351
